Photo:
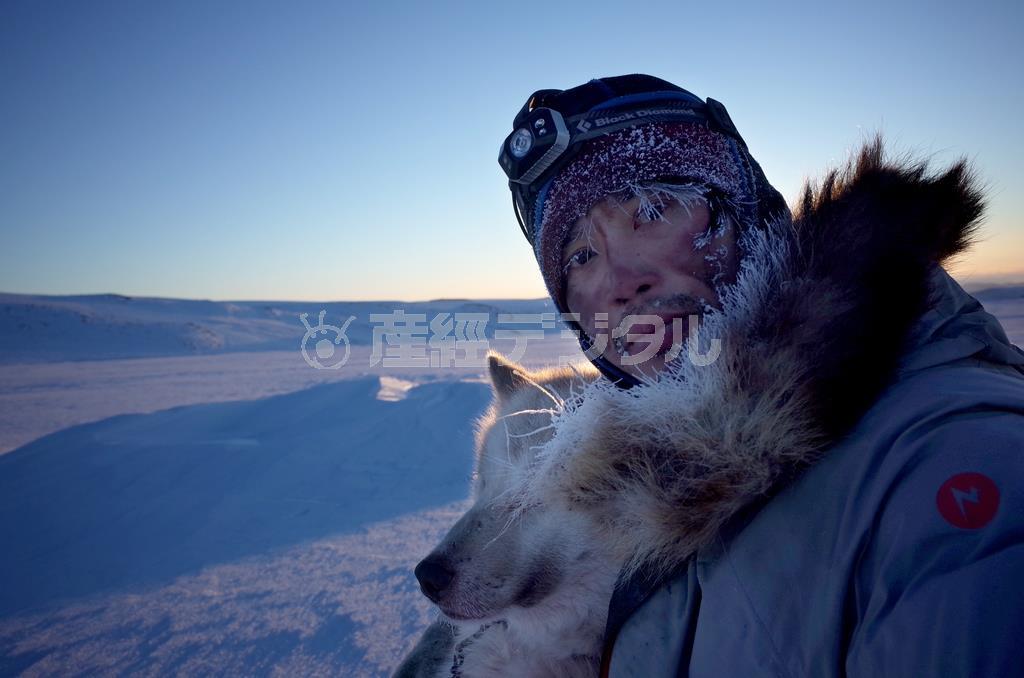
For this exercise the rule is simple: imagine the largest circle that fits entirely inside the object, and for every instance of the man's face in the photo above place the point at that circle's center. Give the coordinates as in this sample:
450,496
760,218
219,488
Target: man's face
621,262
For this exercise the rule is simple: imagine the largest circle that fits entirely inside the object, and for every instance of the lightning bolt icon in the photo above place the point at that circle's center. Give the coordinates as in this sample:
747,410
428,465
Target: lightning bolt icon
959,496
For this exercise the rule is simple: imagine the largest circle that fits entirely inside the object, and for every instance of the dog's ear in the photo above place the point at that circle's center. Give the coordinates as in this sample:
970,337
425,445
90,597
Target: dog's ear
507,377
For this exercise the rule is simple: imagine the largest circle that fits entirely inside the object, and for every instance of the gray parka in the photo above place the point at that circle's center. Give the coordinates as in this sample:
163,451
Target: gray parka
900,553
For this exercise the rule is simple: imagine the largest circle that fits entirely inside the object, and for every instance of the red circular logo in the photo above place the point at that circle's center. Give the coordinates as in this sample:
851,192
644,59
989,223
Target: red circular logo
968,500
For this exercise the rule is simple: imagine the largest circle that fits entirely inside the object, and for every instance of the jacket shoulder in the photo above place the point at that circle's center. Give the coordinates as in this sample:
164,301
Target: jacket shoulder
928,440
940,567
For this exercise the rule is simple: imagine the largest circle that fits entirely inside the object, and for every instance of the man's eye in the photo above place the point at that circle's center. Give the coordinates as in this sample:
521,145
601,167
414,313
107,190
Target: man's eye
579,258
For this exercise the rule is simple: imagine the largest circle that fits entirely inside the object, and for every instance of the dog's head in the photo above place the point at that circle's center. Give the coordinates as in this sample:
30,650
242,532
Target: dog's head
492,559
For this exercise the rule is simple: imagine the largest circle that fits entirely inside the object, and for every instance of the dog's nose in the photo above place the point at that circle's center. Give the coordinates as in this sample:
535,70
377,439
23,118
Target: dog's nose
434,575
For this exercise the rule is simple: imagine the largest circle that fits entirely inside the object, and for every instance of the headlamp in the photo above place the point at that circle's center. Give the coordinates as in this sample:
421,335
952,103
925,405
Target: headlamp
548,132
535,146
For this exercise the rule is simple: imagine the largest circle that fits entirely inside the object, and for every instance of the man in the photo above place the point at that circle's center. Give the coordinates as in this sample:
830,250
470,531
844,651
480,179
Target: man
838,490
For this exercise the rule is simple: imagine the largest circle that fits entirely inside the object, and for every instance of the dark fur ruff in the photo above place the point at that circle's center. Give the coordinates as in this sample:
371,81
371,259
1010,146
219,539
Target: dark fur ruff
872,233
811,334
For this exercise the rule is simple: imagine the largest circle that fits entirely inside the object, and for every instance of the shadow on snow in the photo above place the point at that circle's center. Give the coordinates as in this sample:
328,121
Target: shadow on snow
140,499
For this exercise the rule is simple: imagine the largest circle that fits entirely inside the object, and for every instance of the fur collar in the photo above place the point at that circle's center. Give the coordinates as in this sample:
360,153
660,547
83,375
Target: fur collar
811,332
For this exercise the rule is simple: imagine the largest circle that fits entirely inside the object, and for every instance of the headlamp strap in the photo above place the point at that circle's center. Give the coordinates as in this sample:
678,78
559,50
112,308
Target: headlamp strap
592,124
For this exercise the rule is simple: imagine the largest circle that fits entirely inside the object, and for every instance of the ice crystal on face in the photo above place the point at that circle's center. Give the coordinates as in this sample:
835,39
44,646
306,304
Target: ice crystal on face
722,222
656,196
720,267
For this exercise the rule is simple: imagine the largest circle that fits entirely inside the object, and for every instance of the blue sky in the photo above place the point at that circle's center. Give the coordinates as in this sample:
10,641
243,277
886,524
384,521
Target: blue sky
317,150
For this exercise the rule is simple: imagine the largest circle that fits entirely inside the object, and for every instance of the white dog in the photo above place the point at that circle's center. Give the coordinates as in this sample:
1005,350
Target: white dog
523,593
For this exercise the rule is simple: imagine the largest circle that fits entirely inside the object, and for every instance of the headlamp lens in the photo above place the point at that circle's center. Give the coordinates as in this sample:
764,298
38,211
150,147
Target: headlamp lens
520,143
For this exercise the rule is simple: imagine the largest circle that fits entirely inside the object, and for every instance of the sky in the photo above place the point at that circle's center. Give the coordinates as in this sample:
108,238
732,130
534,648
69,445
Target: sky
341,150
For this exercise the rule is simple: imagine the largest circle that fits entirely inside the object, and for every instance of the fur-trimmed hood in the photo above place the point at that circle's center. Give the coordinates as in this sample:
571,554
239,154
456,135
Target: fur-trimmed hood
810,333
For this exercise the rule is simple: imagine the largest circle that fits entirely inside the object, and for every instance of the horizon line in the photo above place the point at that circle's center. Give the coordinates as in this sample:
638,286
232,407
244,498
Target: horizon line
283,301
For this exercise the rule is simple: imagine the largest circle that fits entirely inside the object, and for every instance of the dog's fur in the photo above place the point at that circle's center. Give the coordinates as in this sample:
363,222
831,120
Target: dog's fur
811,332
530,591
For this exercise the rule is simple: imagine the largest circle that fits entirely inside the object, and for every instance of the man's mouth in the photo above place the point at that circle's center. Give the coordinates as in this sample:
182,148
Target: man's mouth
642,334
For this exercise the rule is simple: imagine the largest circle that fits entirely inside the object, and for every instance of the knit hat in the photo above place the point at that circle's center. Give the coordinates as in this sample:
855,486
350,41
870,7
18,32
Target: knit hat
623,162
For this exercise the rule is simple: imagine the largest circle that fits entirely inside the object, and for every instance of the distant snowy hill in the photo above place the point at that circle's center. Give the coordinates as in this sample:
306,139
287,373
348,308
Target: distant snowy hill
35,328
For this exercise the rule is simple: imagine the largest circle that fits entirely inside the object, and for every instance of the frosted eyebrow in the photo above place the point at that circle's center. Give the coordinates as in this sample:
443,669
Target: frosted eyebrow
687,195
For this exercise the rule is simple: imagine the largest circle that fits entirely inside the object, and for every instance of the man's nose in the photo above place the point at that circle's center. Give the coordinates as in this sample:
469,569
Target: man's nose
630,279
434,574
